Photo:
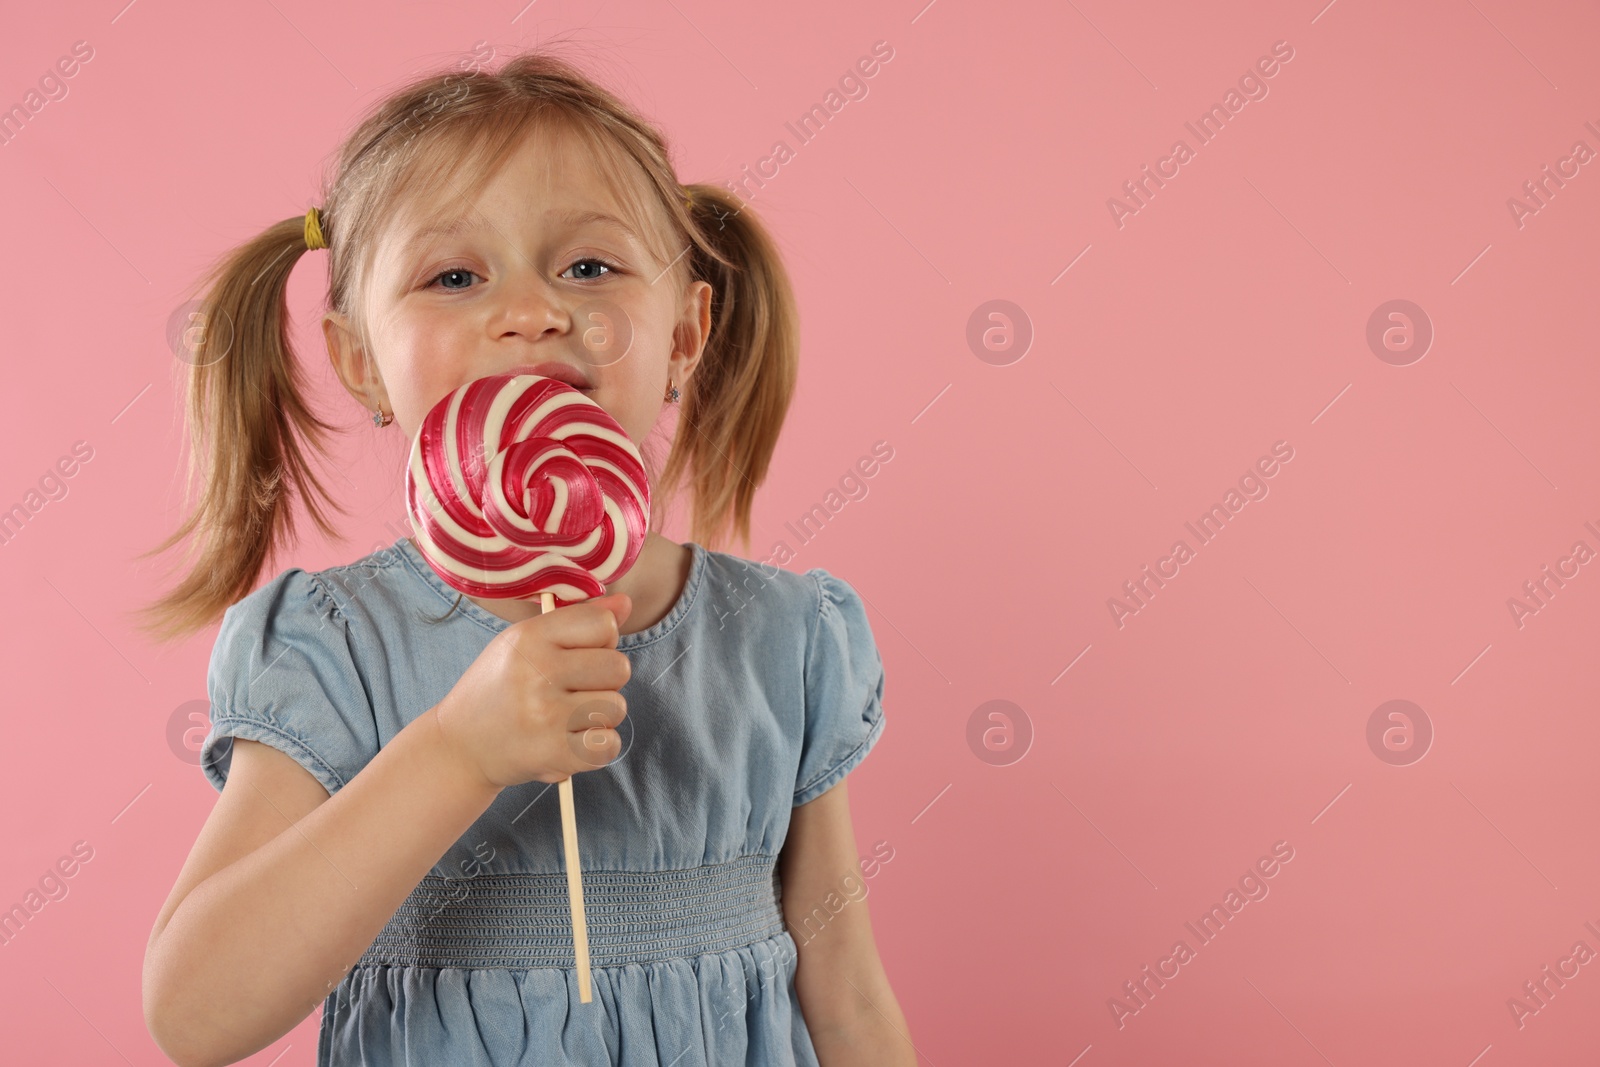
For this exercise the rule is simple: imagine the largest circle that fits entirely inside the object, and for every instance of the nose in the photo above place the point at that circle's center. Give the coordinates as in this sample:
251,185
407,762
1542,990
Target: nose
531,307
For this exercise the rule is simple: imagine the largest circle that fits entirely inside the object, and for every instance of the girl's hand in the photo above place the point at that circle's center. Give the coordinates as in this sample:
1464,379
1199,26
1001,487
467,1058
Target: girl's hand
540,703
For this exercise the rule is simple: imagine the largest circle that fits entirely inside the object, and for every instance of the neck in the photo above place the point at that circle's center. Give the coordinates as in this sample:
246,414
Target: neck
640,577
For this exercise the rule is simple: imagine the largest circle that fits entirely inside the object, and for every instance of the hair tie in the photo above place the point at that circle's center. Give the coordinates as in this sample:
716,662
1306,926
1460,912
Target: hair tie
314,230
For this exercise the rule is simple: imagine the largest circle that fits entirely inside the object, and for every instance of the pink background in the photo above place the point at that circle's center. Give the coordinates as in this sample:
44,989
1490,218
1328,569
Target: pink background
1228,314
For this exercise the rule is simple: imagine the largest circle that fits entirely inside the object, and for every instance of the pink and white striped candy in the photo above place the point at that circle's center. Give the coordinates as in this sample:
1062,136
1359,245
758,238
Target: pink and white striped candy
520,484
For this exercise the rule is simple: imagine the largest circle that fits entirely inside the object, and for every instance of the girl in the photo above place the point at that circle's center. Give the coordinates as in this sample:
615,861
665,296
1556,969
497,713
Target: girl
386,841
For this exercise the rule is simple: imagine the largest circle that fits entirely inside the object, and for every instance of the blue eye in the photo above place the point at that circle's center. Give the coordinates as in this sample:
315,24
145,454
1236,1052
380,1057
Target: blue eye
464,271
596,262
445,273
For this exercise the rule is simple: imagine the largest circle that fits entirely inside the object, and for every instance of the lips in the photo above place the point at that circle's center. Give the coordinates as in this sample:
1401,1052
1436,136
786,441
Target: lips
561,372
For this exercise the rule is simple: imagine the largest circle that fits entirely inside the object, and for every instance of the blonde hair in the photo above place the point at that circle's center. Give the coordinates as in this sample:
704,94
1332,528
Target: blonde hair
249,424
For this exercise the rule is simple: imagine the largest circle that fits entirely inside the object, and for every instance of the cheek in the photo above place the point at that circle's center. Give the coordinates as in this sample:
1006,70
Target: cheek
632,388
422,360
623,402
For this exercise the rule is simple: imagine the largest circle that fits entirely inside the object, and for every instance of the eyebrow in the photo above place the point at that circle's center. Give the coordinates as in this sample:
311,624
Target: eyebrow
576,219
462,224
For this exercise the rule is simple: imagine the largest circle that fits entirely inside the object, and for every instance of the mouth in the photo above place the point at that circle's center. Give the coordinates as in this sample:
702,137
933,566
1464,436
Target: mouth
561,372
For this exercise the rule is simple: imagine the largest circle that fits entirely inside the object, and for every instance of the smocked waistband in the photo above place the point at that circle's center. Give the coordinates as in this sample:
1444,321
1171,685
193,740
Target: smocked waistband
522,920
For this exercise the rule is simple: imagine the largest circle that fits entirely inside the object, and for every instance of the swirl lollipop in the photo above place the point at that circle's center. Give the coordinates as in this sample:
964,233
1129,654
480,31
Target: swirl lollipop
521,486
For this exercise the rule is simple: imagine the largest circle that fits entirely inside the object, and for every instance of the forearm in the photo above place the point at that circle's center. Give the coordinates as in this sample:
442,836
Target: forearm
254,948
862,1025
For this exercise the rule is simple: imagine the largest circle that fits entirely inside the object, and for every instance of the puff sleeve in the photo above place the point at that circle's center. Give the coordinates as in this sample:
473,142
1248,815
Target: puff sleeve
283,672
843,689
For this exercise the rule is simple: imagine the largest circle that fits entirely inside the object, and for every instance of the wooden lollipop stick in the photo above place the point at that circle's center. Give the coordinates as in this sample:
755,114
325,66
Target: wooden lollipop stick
569,838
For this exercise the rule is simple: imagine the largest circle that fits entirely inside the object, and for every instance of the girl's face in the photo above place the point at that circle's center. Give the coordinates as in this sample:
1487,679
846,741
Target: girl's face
528,279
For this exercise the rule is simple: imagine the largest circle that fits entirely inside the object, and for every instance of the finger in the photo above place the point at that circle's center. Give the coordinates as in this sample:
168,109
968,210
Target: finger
591,624
591,729
584,669
595,748
596,709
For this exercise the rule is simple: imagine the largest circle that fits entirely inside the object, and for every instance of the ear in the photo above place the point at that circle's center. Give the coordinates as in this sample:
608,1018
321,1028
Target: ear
358,373
693,330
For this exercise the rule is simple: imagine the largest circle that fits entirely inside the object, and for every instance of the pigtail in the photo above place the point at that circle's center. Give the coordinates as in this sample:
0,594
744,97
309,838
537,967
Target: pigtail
734,404
249,425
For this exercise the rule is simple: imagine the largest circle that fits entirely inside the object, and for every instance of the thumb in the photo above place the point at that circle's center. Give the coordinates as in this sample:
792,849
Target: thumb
619,604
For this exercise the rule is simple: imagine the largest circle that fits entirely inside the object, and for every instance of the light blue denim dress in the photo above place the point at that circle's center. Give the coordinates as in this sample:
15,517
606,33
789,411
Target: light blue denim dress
758,691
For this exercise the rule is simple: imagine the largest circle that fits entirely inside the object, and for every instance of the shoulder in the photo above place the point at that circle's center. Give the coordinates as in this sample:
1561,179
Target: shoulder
366,587
288,669
356,598
292,599
841,636
761,596
328,613
727,566
838,604
320,594
805,604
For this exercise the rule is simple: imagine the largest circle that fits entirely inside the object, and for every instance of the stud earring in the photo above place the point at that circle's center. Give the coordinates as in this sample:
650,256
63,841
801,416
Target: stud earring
379,419
672,392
